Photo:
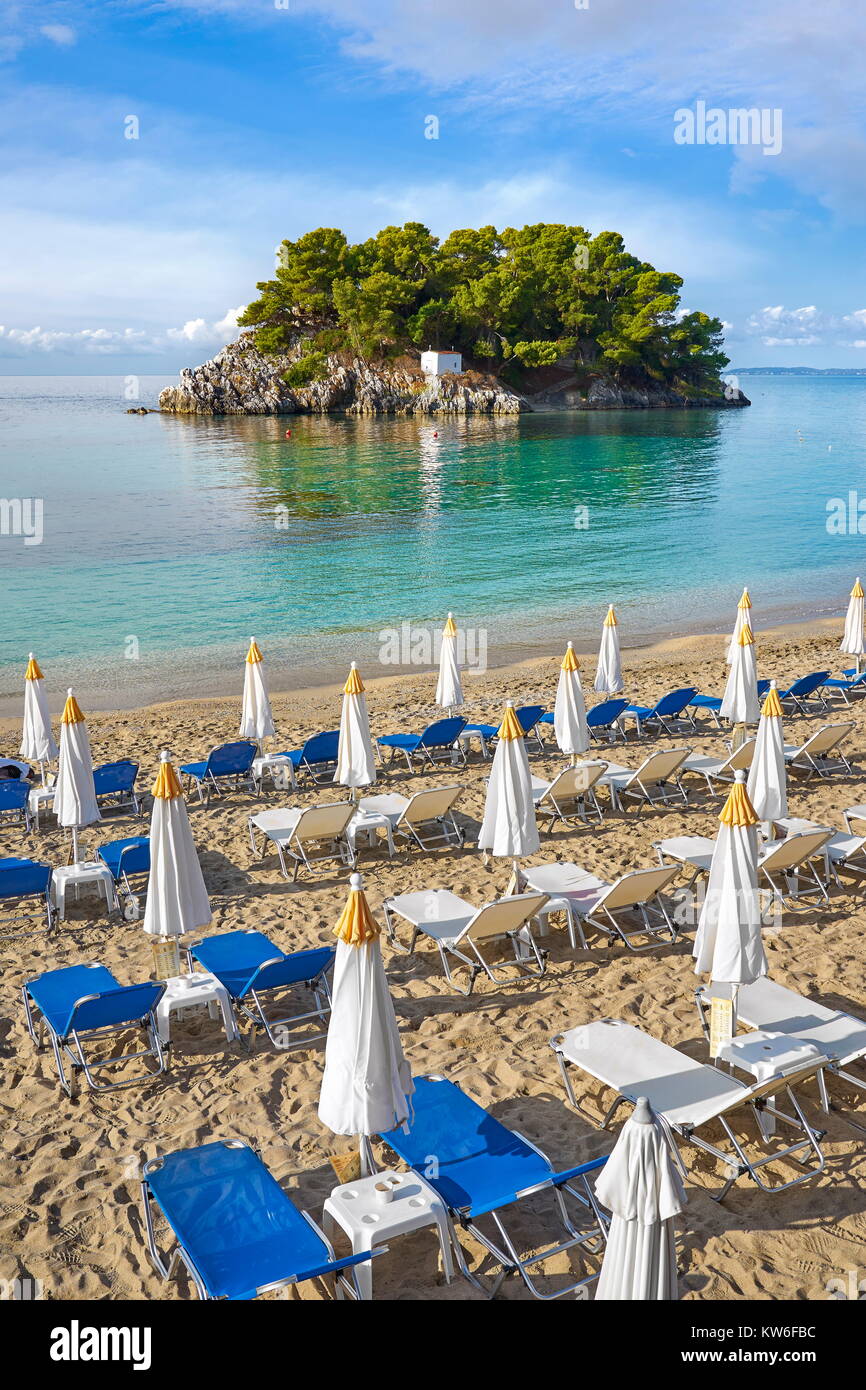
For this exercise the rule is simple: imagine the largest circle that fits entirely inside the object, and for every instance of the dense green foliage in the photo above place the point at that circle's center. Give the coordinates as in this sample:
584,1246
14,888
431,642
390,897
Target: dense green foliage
527,297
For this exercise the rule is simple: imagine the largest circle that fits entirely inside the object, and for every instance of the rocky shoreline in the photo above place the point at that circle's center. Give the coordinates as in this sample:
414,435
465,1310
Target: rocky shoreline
240,380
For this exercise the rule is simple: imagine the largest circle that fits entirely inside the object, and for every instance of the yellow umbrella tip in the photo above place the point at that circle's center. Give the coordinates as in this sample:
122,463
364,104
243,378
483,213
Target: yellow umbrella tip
510,726
610,620
254,655
772,706
33,672
857,591
450,628
354,685
738,810
745,601
357,925
570,661
71,710
167,785
745,638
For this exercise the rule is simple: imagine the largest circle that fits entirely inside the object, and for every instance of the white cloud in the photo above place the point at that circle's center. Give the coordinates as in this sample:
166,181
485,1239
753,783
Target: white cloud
808,326
60,34
108,342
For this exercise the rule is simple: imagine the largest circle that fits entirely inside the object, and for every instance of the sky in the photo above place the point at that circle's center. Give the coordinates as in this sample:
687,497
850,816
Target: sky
153,153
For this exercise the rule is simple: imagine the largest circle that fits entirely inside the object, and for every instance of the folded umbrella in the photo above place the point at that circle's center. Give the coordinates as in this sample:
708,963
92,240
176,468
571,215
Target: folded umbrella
569,712
852,640
367,1082
767,783
608,677
37,742
743,619
74,802
449,691
177,900
356,761
642,1188
257,721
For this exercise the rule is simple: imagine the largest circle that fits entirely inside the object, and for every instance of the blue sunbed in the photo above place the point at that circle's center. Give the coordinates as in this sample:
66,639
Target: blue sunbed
604,719
480,1169
80,1003
26,878
237,1233
318,757
15,801
807,689
127,859
528,717
231,761
253,970
438,742
668,713
854,683
115,784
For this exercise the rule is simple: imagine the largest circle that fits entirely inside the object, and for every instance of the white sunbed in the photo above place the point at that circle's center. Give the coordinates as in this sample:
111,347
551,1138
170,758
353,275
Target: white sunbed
652,782
813,756
571,794
633,900
687,1095
306,834
789,861
843,851
721,769
772,1008
425,818
459,929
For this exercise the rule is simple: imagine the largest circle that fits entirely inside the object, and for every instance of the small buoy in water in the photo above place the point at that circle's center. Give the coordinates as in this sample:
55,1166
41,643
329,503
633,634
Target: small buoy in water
435,434
288,434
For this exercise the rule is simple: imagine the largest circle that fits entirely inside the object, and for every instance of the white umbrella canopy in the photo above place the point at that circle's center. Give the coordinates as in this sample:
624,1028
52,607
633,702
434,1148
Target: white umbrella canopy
640,1185
367,1082
569,712
177,900
608,677
743,619
74,802
37,742
740,702
509,829
356,761
449,691
257,721
852,641
767,783
728,945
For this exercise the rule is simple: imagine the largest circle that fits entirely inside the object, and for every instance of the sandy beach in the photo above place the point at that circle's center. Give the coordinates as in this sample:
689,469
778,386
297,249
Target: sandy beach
69,1197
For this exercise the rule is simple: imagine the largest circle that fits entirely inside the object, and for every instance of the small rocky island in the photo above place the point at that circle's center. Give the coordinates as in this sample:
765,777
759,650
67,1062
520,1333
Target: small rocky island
542,318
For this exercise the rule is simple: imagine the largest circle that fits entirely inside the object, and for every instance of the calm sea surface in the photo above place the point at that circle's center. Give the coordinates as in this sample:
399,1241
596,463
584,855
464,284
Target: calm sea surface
178,538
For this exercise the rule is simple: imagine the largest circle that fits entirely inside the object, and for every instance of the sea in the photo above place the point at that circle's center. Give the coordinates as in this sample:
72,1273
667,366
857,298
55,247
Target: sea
139,553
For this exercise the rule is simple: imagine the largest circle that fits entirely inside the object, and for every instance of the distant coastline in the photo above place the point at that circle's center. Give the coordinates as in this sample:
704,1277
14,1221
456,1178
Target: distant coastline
798,371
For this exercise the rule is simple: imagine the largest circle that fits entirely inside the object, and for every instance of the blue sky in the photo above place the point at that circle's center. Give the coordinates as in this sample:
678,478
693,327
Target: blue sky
259,119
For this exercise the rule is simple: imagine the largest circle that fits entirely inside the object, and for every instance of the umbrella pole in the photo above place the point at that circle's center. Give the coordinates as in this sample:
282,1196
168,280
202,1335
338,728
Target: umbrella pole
42,772
75,844
859,665
366,1157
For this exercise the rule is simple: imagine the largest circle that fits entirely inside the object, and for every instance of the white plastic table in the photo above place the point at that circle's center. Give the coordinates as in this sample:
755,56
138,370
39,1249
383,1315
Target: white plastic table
364,825
270,762
766,1055
96,874
369,1221
39,798
187,991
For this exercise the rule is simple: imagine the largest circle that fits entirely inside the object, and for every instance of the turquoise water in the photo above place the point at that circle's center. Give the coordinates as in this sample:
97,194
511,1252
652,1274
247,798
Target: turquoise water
189,535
